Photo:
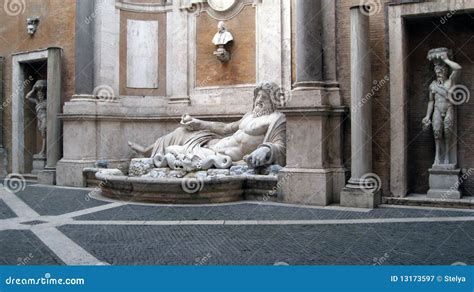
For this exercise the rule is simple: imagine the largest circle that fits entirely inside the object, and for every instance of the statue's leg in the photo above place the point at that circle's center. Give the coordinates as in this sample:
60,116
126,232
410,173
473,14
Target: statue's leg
42,129
177,137
448,134
438,135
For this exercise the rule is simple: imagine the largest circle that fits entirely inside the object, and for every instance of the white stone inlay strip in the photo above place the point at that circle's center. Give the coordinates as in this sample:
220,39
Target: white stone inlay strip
273,222
20,208
91,210
66,249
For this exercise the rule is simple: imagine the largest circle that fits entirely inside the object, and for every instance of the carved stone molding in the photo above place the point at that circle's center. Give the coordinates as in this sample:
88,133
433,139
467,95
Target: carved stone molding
200,6
161,6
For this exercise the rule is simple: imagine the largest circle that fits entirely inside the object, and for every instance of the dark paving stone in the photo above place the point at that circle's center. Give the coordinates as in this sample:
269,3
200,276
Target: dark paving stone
47,200
349,244
247,211
5,211
22,247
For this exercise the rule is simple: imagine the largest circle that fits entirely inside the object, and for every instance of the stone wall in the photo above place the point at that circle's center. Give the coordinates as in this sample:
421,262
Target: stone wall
56,29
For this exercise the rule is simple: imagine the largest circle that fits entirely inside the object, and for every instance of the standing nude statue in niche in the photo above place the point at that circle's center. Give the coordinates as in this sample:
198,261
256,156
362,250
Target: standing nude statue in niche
38,96
441,112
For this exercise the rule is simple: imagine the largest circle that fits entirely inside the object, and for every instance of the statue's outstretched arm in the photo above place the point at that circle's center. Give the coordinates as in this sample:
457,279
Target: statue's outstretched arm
219,128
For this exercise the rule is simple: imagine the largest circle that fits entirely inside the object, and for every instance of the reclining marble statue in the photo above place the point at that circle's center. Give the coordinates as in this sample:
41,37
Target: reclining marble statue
258,138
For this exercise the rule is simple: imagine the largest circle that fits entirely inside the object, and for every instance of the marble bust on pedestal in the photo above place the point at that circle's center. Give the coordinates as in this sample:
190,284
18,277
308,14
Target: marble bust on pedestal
220,40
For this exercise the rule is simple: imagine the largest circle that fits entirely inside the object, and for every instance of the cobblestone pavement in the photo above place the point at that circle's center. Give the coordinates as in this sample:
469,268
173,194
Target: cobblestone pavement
57,226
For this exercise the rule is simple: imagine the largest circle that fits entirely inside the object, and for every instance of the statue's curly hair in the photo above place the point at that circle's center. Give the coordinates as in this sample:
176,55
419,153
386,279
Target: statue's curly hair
273,90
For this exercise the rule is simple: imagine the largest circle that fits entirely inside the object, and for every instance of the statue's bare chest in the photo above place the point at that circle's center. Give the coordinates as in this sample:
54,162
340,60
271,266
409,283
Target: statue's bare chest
255,126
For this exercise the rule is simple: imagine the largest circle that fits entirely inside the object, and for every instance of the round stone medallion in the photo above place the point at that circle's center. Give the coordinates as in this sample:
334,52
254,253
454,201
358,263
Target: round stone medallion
221,5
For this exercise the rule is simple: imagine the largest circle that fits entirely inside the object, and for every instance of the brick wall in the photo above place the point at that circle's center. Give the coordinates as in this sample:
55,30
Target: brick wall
56,29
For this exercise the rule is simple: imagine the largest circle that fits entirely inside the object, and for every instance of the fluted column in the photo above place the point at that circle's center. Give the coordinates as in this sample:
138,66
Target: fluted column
362,190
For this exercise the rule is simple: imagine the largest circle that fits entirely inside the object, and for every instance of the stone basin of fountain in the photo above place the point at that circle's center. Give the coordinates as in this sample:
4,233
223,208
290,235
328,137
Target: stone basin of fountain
213,186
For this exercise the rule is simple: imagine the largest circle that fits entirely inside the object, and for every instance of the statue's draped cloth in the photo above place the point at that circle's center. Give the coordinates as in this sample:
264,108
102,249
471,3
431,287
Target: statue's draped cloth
194,141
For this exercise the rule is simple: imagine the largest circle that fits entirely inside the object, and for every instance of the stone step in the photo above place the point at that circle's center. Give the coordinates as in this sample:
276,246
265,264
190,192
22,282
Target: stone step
422,200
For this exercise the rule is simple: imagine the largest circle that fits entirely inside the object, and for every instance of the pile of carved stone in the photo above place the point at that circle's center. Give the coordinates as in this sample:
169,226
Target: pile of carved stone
145,167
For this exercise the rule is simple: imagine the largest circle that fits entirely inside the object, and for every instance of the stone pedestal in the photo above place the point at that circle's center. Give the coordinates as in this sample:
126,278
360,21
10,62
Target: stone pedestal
361,194
47,176
314,174
444,183
39,163
306,186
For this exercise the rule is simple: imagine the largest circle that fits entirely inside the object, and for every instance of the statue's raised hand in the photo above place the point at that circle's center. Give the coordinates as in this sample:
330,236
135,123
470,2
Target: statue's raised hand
190,123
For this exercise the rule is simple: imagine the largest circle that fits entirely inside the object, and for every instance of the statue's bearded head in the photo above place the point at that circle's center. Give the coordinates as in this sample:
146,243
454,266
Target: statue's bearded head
441,71
263,98
221,27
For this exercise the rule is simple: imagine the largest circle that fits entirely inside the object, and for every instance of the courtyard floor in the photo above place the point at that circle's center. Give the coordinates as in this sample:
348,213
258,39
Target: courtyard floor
44,225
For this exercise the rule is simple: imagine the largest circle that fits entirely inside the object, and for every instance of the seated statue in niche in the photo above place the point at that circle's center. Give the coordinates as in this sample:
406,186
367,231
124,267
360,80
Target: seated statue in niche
441,113
259,138
37,96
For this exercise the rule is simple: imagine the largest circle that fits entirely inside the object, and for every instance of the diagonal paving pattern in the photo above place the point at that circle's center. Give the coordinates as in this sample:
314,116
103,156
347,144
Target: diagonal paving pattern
77,227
